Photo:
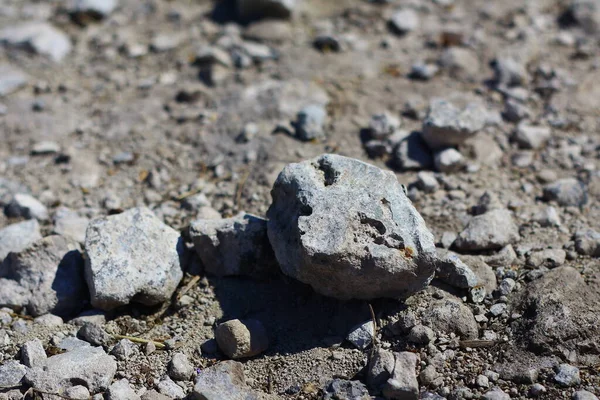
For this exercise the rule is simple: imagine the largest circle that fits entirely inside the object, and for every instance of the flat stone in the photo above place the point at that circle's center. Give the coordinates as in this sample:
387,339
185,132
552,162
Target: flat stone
223,381
11,373
39,37
170,389
345,389
584,395
335,218
362,335
447,125
132,256
492,230
93,334
450,316
33,354
404,21
69,224
567,375
403,384
242,339
234,246
531,137
26,206
11,79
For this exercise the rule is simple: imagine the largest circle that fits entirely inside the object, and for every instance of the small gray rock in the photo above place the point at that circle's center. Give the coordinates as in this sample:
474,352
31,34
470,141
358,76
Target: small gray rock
450,316
93,334
345,389
492,230
448,161
48,320
11,79
412,153
584,395
223,381
78,392
121,390
460,62
427,182
347,228
92,9
125,349
550,258
380,368
26,206
40,37
495,394
33,354
446,125
69,224
421,334
382,125
170,389
234,246
403,381
509,72
362,335
428,375
404,21
567,375
310,123
180,368
566,192
17,237
531,137
455,272
587,242
536,390
242,339
11,373
259,9
132,256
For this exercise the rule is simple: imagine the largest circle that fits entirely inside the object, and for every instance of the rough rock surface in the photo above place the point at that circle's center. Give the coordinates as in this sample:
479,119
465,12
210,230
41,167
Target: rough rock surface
492,230
18,236
447,125
347,228
450,316
131,256
225,380
242,339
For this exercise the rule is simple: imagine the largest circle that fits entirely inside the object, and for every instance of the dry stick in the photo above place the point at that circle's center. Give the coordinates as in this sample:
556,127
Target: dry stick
240,188
375,341
134,339
15,315
187,287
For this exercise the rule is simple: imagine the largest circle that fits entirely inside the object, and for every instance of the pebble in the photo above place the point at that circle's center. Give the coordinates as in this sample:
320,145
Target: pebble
498,309
447,125
427,182
584,395
421,334
550,258
507,285
180,368
566,192
460,62
402,383
345,389
382,125
78,392
536,390
587,242
264,9
567,375
11,373
404,21
450,316
448,161
242,339
492,230
428,375
362,335
509,72
547,216
45,147
310,123
11,79
233,246
93,334
319,205
92,9
121,390
423,71
482,381
69,224
131,256
412,153
222,381
26,206
41,37
531,137
124,350
33,354
48,320
170,389
495,394
455,272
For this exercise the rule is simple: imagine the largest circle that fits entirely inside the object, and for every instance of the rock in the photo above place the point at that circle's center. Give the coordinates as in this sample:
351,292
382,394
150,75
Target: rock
78,392
13,295
453,271
51,271
531,137
587,242
310,123
495,394
412,153
380,368
547,216
362,335
504,258
259,9
121,390
131,256
222,381
561,315
165,42
89,316
484,272
234,246
125,349
26,206
450,316
550,258
428,375
584,395
11,79
39,37
88,366
48,320
509,72
45,147
567,375
242,339
334,218
506,286
446,125
93,334
586,13
448,161
170,389
536,390
33,354
382,125
85,10
427,182
269,31
180,368
69,224
345,389
460,62
492,230
11,373
423,71
154,395
403,384
566,192
421,334
404,21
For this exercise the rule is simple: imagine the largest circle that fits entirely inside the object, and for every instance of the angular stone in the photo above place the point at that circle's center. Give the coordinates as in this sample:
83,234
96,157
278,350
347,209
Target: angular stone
234,246
566,192
492,230
347,229
51,270
242,339
531,137
345,389
33,354
26,206
69,224
584,395
587,242
39,37
567,375
11,373
84,10
448,161
17,237
454,272
446,125
450,316
310,123
180,367
404,21
121,390
132,256
362,335
403,384
223,381
412,153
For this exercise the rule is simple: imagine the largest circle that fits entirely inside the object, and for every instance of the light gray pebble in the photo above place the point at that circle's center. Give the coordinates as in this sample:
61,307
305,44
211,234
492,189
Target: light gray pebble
584,395
567,375
33,353
121,390
180,368
362,335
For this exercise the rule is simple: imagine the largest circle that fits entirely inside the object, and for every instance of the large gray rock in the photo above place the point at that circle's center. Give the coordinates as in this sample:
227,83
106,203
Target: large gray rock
561,316
403,384
11,79
492,230
39,37
51,272
11,373
132,256
258,9
233,246
347,229
447,125
88,366
17,237
222,381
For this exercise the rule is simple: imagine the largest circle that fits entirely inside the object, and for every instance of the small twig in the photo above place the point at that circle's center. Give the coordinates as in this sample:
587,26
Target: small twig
16,315
187,194
375,328
134,339
187,287
240,188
